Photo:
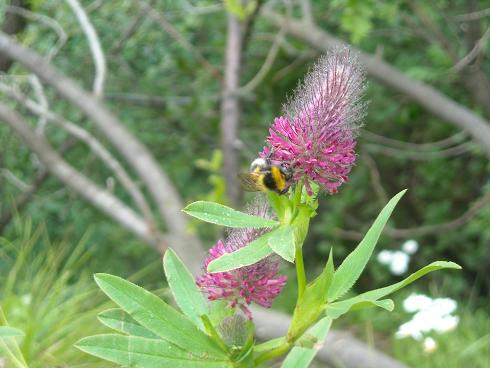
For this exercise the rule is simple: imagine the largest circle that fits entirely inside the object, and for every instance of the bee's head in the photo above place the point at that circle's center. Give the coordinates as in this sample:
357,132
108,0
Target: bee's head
260,163
286,171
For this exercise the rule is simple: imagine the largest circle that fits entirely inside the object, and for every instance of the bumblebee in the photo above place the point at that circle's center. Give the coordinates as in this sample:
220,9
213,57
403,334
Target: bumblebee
264,176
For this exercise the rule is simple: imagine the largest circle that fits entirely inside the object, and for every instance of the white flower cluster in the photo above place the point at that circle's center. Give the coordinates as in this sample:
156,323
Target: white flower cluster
398,260
430,315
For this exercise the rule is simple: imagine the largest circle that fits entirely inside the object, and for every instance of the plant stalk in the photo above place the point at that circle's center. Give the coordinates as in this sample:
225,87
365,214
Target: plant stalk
300,273
271,354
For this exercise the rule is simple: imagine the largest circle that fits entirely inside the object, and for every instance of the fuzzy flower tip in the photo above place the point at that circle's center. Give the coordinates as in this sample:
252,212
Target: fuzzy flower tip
258,283
316,136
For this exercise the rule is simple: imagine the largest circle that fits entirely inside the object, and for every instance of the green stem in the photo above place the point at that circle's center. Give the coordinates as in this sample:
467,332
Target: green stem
300,273
271,354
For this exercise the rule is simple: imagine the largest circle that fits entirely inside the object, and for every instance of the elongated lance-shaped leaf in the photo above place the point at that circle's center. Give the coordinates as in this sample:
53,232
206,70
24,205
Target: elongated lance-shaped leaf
154,314
281,242
119,320
249,254
135,351
186,293
218,214
337,309
7,331
352,267
301,357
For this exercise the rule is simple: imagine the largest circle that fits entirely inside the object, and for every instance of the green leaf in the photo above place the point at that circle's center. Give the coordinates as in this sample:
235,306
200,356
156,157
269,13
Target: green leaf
218,214
335,310
250,254
352,267
279,203
301,223
7,331
312,304
282,242
373,297
119,320
301,357
135,351
186,293
270,345
154,314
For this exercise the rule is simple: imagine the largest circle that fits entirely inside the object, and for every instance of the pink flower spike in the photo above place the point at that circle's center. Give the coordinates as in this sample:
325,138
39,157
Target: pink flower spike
258,283
316,137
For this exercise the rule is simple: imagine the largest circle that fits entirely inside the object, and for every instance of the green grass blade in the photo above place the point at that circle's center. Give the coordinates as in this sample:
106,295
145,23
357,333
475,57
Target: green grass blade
7,332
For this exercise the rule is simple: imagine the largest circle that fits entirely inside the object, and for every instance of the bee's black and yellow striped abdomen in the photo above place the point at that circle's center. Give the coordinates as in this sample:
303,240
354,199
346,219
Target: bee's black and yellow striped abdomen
274,179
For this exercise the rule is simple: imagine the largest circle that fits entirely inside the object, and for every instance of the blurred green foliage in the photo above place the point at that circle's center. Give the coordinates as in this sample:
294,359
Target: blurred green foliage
182,131
47,293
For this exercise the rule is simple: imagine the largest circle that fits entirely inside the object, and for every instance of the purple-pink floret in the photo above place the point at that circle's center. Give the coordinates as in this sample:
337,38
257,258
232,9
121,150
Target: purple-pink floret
316,137
258,283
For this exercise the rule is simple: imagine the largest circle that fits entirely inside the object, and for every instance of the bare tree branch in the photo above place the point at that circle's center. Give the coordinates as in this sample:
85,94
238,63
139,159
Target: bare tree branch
473,54
94,194
306,11
151,101
473,15
38,90
136,154
130,30
427,146
230,105
376,179
420,155
94,44
428,97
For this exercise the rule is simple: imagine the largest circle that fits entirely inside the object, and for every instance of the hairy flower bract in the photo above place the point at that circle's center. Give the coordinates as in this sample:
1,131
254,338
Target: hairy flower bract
316,136
258,283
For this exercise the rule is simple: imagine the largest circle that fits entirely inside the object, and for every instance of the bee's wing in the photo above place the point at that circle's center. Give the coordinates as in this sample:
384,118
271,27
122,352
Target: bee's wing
250,182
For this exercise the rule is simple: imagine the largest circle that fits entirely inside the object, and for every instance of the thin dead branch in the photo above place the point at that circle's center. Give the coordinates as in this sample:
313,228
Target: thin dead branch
473,54
95,47
473,15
